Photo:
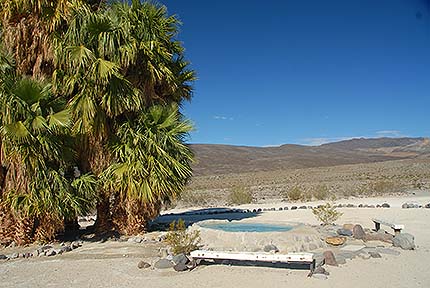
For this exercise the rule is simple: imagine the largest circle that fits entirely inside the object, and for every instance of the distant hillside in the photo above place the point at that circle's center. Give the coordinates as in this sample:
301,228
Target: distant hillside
223,159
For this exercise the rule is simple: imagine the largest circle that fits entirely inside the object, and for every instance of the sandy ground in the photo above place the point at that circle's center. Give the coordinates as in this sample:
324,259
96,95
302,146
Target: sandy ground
113,264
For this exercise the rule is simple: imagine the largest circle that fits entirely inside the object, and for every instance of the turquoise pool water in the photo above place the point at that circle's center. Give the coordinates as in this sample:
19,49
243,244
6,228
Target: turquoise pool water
247,227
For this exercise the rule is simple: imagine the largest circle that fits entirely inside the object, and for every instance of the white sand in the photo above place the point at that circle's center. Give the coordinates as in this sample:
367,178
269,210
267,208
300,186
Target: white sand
77,269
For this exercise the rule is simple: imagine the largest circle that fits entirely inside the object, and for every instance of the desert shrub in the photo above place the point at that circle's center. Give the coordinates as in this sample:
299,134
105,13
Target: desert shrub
240,195
327,213
181,240
321,192
382,187
296,193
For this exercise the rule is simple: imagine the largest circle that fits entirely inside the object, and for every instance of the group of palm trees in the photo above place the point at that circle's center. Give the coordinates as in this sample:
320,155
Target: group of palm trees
89,97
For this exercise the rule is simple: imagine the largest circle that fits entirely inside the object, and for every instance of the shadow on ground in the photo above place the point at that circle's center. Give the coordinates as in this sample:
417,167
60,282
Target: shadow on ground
193,216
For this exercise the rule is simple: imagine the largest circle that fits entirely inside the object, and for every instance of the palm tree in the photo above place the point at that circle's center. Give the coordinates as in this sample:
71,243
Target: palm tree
112,65
152,166
39,190
28,29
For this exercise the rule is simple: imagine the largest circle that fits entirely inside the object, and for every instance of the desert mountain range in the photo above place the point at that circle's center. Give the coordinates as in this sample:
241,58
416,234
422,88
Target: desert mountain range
215,159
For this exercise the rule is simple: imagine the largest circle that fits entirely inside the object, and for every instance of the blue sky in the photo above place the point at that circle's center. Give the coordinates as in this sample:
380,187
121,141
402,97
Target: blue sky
307,72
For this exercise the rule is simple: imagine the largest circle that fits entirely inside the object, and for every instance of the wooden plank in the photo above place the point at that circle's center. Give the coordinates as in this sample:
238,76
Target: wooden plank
254,256
394,226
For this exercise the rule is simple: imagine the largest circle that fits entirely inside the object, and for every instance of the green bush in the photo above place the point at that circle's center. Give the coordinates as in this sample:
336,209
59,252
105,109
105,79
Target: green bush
327,213
180,240
240,195
296,193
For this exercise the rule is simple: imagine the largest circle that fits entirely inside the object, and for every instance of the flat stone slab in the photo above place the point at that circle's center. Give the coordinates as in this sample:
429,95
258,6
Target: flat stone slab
353,248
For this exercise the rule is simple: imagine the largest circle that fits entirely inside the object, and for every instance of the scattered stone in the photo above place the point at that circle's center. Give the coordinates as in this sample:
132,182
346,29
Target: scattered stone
163,252
404,241
358,232
180,267
163,264
180,258
50,252
388,251
344,232
313,246
14,256
364,256
320,276
348,226
320,270
270,248
254,210
347,255
59,251
375,255
46,247
427,205
372,206
75,245
143,265
385,205
3,257
378,206
340,259
350,206
280,209
286,208
383,237
303,207
335,241
293,207
329,258
28,255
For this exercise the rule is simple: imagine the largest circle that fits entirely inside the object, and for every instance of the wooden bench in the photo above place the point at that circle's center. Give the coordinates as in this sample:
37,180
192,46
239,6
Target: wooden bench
396,227
291,259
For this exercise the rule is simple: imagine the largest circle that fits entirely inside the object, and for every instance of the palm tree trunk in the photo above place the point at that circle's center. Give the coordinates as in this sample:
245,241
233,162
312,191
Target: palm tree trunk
103,223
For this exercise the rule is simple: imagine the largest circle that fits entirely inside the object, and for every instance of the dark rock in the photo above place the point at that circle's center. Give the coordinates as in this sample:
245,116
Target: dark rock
75,245
3,257
320,270
180,267
385,205
293,207
303,207
372,206
286,208
344,232
46,247
180,258
378,206
280,209
163,264
427,205
254,211
66,249
50,252
143,265
360,205
329,258
375,255
358,232
350,206
259,210
404,241
270,248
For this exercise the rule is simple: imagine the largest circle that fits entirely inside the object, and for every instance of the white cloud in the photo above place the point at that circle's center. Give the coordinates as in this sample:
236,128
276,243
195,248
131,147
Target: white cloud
218,117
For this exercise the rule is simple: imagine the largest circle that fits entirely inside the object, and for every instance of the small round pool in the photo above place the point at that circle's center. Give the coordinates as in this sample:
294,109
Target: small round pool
247,227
